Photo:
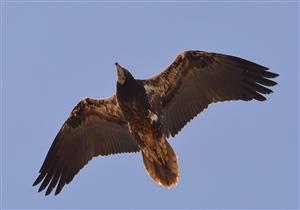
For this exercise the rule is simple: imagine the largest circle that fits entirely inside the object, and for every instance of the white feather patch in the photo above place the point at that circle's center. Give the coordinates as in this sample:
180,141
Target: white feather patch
153,117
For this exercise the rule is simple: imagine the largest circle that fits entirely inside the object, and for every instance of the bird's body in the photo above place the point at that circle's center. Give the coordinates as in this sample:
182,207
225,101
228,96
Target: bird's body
145,113
144,124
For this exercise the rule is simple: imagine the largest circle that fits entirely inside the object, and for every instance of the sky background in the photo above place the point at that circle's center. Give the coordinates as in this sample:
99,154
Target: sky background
233,155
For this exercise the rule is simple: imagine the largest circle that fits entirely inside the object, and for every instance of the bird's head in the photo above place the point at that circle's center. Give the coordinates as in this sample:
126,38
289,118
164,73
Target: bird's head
123,75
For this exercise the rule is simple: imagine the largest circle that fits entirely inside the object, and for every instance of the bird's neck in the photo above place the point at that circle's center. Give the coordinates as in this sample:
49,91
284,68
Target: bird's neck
131,95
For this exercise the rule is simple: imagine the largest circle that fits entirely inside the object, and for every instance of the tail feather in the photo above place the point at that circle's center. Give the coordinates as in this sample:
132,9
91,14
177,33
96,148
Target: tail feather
166,173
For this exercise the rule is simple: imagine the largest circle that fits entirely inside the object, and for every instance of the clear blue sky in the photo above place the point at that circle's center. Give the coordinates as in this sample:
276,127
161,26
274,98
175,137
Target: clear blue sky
233,155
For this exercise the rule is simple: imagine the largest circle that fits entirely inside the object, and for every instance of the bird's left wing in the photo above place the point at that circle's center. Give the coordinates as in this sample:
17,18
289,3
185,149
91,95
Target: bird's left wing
94,127
196,79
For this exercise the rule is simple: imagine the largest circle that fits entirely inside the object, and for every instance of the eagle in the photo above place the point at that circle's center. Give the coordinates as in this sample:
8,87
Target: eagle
144,114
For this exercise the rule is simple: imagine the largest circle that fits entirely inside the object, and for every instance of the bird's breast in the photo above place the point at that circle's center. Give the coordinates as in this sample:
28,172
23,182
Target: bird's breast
148,130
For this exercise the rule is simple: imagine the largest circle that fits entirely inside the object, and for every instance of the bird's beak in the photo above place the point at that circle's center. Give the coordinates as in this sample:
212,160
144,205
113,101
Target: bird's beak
120,74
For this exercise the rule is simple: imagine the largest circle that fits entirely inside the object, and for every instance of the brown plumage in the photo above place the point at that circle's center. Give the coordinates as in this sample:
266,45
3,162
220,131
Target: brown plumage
95,127
196,79
144,113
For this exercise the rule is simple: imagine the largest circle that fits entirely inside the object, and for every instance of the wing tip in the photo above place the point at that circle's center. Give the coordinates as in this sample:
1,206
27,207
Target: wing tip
48,191
269,74
57,192
38,179
35,183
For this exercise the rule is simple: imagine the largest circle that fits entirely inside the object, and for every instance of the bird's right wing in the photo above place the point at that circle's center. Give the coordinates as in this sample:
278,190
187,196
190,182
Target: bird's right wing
94,127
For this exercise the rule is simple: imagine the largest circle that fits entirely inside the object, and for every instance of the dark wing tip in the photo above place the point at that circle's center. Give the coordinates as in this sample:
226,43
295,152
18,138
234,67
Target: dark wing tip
51,186
49,190
50,182
255,78
256,84
38,180
57,191
269,74
247,65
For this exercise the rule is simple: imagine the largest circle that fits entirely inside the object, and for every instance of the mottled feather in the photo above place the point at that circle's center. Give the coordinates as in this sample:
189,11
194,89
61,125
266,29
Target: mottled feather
94,127
196,79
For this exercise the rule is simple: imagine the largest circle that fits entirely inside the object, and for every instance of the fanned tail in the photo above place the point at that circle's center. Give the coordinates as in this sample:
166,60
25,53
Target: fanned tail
166,172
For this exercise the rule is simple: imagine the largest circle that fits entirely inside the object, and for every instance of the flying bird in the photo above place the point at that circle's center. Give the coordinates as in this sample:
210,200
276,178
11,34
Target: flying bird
143,114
